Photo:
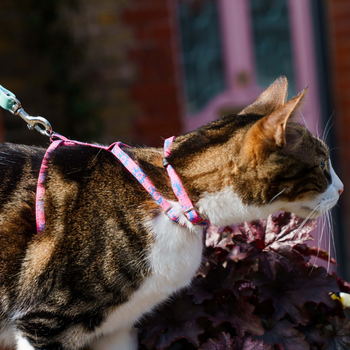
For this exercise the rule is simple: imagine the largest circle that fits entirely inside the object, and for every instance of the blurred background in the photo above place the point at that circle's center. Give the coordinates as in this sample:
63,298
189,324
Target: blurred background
142,70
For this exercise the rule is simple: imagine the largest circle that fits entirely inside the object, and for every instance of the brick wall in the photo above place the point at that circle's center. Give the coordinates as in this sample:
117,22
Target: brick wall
154,56
98,25
339,19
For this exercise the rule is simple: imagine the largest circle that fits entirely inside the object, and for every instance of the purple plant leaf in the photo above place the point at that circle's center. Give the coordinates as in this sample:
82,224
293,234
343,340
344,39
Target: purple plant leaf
248,343
290,291
220,236
340,335
315,251
313,334
268,261
239,314
216,279
285,223
343,285
174,321
287,229
293,255
284,334
224,342
254,230
213,236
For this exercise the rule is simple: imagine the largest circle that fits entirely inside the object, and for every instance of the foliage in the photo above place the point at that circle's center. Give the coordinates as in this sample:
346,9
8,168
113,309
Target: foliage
256,290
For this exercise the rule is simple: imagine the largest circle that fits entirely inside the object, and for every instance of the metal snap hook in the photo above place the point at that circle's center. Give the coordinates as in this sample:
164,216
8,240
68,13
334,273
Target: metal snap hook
40,124
9,102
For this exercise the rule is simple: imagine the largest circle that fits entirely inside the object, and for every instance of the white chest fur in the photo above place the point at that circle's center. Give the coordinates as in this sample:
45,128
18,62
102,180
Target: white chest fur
174,259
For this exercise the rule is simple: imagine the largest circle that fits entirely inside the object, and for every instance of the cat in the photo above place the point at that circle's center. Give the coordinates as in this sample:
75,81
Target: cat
109,254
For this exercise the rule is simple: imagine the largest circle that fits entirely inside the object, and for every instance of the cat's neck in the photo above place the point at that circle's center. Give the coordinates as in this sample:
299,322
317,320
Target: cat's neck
206,161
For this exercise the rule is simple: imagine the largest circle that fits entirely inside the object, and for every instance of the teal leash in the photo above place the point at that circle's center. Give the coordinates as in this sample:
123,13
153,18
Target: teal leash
9,102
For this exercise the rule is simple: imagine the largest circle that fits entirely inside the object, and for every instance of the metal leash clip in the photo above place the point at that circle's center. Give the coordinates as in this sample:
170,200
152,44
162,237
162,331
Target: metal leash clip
9,102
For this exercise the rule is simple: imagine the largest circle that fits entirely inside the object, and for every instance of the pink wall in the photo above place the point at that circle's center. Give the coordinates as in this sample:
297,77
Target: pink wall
304,60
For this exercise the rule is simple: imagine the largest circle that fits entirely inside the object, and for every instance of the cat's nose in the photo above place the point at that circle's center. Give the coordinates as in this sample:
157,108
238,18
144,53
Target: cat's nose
341,191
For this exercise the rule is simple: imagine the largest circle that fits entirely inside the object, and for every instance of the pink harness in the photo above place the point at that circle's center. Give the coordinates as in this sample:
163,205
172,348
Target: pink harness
189,211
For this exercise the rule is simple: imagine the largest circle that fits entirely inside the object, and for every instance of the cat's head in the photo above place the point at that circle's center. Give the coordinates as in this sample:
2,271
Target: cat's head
265,162
294,168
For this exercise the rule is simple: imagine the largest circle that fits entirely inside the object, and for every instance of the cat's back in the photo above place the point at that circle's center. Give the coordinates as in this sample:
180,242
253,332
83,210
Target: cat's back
19,168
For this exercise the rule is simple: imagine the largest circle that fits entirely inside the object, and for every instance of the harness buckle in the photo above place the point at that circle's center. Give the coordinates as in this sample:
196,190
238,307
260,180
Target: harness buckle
167,209
165,163
190,209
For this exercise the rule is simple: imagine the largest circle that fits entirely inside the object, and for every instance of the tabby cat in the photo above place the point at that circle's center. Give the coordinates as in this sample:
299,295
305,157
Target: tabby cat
109,254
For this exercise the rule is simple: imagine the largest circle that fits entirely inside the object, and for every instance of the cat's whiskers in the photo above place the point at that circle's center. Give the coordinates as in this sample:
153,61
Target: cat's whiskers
277,195
318,242
326,221
329,241
320,238
327,228
309,217
330,235
304,120
327,127
332,232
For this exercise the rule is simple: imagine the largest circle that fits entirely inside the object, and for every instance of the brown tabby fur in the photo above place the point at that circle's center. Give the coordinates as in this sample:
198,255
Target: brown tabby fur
92,254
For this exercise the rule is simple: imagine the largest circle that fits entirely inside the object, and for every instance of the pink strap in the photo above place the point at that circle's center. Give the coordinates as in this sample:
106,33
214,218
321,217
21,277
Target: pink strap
143,180
40,189
189,211
58,140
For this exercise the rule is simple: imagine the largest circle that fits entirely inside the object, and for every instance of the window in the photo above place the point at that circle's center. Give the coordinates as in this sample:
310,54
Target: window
201,52
272,42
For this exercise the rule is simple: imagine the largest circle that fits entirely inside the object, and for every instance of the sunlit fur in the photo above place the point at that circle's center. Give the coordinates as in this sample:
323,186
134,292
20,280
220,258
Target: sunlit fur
109,254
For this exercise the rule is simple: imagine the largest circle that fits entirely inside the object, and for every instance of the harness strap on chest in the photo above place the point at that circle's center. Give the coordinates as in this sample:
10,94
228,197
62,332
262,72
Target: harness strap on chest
189,212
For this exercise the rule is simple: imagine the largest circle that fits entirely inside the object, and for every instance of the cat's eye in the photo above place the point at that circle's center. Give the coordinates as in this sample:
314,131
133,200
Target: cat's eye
323,165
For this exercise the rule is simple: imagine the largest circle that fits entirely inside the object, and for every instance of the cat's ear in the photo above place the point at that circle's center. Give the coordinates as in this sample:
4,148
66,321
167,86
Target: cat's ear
271,99
272,127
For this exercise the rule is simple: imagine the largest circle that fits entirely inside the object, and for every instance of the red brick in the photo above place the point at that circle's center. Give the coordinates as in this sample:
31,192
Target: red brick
157,70
147,91
159,33
340,10
155,90
153,130
145,15
342,63
162,108
342,51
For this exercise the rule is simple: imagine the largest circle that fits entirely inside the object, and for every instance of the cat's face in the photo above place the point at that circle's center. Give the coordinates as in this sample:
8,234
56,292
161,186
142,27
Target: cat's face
298,177
292,167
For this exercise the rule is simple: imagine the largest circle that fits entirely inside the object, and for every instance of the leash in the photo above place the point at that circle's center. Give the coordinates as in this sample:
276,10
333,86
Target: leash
9,102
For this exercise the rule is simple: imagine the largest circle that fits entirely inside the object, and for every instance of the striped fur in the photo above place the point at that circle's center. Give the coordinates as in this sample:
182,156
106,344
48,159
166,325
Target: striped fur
108,254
